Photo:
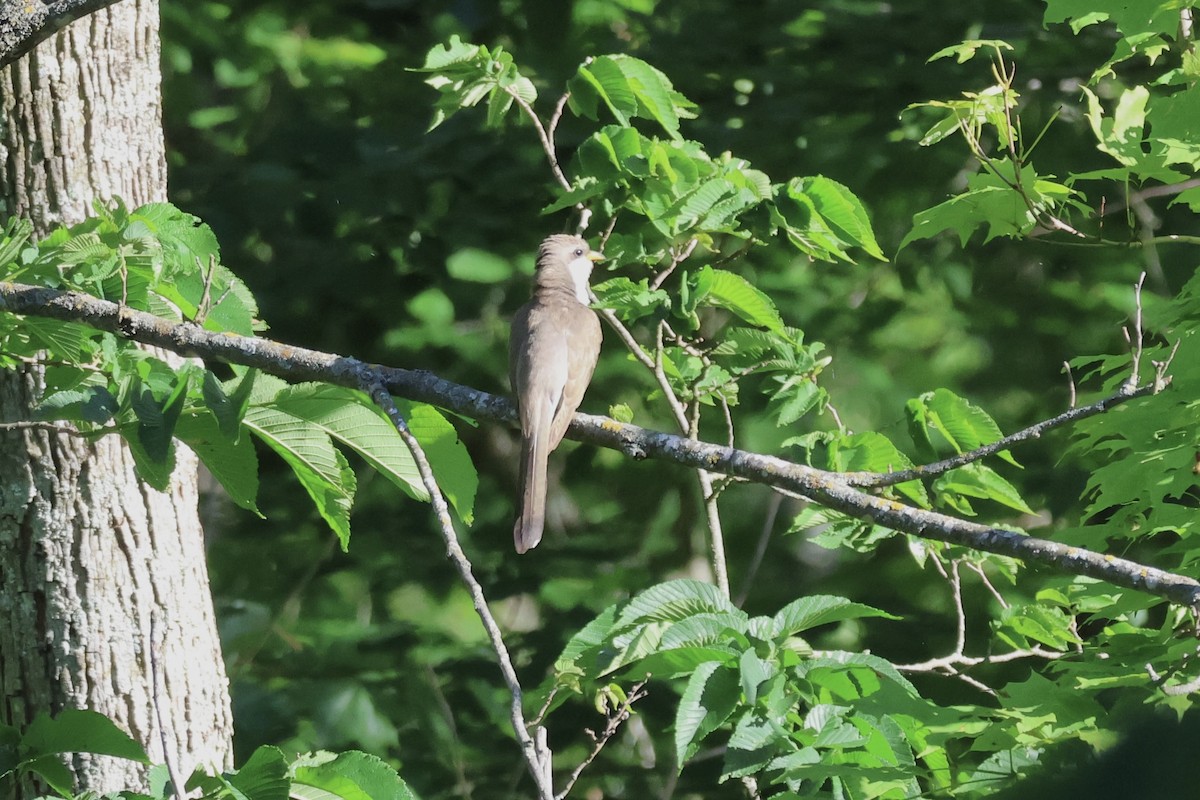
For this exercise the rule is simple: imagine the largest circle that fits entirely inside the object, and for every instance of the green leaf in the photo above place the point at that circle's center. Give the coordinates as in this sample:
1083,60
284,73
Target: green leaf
233,462
448,456
632,301
13,240
709,699
965,51
53,771
977,480
733,292
157,418
965,425
91,404
809,612
66,341
321,469
350,775
228,403
467,74
674,601
873,452
843,211
628,87
80,731
350,418
264,776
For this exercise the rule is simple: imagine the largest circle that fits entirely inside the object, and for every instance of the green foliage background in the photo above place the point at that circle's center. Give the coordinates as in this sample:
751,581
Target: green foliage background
297,133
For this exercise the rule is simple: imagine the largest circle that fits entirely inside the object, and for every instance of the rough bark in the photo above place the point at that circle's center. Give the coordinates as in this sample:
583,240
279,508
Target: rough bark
104,598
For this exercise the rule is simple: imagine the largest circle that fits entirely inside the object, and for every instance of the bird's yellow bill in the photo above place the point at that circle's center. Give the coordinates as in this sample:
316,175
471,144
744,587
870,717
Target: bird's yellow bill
594,256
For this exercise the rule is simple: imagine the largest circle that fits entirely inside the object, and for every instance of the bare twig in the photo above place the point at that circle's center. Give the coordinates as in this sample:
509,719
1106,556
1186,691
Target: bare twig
987,582
615,718
678,256
1175,690
543,135
178,784
872,480
51,427
536,757
828,489
1136,344
760,549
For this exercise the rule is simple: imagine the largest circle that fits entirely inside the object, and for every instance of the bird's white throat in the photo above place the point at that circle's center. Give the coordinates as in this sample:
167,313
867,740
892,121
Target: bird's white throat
581,269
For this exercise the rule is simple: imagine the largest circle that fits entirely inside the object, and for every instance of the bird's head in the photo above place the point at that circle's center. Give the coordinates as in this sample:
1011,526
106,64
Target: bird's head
563,253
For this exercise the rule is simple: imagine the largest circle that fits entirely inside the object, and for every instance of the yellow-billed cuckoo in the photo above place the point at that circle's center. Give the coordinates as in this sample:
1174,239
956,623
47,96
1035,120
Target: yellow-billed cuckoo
552,351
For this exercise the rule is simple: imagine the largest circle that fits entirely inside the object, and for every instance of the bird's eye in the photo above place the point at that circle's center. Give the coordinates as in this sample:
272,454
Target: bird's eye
578,251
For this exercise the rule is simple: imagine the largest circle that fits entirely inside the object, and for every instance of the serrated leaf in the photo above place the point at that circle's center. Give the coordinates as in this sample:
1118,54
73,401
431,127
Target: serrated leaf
709,699
602,79
965,51
734,293
350,775
232,461
448,457
348,417
977,480
321,469
673,601
843,211
264,776
965,425
809,612
66,341
93,404
452,53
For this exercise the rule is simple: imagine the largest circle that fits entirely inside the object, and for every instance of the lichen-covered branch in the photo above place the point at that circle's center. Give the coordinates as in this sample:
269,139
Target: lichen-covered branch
825,488
26,23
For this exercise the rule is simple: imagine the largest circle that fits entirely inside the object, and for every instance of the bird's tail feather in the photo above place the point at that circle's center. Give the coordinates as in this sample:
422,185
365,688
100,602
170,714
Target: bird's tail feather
535,450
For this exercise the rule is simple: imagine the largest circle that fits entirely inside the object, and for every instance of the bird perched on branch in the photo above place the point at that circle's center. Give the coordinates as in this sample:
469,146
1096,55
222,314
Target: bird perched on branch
552,352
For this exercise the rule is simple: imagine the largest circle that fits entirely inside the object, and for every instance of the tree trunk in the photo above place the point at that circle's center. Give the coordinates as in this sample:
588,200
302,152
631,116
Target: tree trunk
104,597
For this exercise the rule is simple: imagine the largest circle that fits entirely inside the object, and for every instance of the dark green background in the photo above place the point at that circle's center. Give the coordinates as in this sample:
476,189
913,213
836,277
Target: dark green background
295,131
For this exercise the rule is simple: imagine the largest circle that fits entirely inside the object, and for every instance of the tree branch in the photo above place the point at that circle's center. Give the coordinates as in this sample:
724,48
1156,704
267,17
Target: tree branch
872,480
826,488
536,757
24,24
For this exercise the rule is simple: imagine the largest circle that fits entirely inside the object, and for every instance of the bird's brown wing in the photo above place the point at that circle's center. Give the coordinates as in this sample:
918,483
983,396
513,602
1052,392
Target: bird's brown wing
538,370
582,339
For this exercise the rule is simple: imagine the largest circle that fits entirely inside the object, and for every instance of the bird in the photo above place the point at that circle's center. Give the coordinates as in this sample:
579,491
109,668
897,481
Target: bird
553,348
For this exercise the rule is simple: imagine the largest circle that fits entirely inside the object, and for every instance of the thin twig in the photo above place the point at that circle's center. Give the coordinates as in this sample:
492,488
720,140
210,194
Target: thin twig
760,549
51,427
677,258
960,612
178,785
1136,344
636,692
543,135
537,758
872,480
987,583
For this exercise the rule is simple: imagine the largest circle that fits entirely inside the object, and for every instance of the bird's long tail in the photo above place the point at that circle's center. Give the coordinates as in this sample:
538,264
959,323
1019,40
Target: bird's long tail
535,450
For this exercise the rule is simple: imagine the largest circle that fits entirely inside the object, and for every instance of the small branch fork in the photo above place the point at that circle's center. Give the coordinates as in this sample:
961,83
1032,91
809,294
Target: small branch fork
829,489
537,754
615,718
952,665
